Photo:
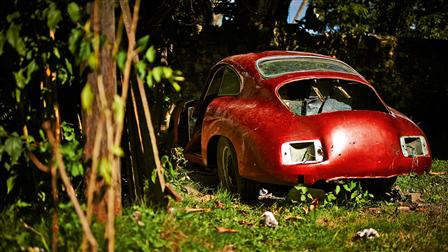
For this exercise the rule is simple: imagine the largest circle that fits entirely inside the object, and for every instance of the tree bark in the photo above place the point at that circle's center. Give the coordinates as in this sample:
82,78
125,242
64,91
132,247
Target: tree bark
103,20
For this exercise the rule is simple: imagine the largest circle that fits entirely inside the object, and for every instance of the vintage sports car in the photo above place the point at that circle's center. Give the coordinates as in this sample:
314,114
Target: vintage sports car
283,117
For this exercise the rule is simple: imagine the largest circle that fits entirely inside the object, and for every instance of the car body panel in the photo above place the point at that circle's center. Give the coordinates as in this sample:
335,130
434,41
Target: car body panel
355,143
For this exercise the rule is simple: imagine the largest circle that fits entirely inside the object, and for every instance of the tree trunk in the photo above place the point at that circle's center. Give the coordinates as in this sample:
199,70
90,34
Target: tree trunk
103,21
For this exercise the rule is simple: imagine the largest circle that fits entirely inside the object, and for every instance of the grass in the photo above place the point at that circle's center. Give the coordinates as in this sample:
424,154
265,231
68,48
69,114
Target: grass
220,222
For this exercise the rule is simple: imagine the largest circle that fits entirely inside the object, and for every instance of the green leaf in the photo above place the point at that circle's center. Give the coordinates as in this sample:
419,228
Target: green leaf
118,108
68,66
20,79
30,69
175,85
352,185
331,197
13,146
150,54
3,132
157,73
167,72
73,12
85,50
149,80
76,170
141,43
117,151
18,94
15,40
105,169
337,189
56,53
92,60
121,59
54,16
165,160
12,16
87,97
141,69
22,204
10,183
154,176
68,132
179,78
75,36
2,41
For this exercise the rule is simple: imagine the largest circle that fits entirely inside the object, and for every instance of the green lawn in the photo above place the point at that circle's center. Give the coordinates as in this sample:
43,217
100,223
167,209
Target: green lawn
219,222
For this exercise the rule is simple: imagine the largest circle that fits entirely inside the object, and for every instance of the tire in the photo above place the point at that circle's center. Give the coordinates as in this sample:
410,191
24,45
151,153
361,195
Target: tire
229,178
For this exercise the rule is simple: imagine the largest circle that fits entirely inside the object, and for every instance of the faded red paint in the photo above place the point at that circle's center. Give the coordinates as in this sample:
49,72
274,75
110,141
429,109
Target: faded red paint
356,144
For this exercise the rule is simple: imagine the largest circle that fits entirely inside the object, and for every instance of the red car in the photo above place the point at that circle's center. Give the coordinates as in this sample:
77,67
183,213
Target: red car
283,117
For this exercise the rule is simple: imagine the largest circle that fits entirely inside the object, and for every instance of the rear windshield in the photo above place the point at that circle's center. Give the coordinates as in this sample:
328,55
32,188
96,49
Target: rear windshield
273,67
315,96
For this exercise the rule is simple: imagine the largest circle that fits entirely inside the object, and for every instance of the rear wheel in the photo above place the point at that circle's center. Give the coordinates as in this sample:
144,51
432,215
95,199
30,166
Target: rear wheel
228,173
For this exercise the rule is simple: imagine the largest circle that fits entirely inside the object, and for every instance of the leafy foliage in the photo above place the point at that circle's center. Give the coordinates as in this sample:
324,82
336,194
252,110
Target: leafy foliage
417,19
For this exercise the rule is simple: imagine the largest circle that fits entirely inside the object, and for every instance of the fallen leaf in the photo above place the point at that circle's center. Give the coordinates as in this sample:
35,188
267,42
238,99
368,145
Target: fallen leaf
375,210
195,210
404,208
206,198
219,205
437,173
226,230
294,218
243,213
314,204
246,223
416,197
228,248
305,210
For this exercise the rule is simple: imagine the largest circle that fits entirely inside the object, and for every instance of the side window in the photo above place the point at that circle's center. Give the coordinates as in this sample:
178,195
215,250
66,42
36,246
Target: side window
213,89
230,83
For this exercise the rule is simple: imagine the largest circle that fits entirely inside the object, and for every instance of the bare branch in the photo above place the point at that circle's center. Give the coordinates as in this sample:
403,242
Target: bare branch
37,163
69,187
141,88
93,176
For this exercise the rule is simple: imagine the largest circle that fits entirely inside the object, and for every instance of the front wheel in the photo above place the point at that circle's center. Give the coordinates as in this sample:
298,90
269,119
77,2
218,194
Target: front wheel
228,173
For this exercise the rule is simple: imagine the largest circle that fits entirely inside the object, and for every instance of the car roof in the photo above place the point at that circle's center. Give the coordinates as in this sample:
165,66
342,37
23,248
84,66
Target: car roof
248,63
248,60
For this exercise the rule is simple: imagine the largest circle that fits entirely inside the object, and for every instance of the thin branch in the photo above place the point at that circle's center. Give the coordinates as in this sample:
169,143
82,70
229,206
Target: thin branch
131,40
37,163
33,157
130,55
170,190
55,218
93,175
69,187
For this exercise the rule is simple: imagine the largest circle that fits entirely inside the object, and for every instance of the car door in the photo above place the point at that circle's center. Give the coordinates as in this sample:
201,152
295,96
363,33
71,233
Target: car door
224,81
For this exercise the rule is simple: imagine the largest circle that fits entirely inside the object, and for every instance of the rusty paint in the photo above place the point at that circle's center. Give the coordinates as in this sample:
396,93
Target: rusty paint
355,143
